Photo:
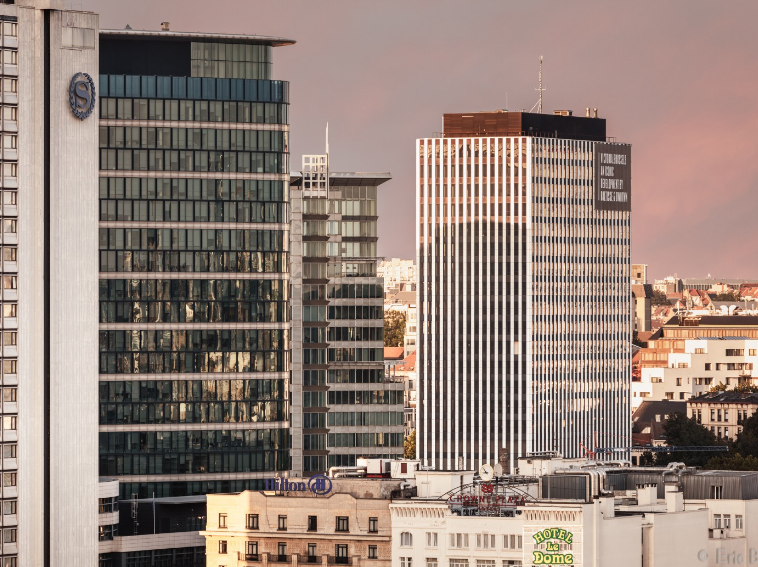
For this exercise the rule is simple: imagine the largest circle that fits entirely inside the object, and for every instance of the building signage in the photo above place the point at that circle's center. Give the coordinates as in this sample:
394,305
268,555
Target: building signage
318,485
613,177
81,95
550,554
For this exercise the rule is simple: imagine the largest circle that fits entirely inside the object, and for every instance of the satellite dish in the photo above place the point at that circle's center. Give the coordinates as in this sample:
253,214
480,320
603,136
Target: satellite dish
486,472
498,470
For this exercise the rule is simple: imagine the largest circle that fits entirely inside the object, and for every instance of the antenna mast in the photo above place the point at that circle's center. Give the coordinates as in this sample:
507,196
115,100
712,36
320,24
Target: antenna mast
538,104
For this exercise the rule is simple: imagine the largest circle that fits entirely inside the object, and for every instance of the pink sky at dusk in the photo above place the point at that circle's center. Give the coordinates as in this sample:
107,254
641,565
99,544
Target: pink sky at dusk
676,79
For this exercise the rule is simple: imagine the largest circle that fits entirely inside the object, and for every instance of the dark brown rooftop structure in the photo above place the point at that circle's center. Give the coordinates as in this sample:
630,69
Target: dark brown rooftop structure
562,124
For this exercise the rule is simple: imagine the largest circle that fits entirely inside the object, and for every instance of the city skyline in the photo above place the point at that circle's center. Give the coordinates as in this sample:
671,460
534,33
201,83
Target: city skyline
657,71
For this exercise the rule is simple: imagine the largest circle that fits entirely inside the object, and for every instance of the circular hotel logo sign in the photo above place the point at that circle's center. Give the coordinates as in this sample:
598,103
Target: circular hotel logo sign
320,484
81,95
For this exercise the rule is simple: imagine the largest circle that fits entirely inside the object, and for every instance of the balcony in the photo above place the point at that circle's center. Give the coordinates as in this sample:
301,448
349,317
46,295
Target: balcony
276,558
312,559
339,560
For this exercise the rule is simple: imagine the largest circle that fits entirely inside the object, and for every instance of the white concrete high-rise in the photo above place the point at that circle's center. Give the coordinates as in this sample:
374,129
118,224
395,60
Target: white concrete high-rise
524,288
49,296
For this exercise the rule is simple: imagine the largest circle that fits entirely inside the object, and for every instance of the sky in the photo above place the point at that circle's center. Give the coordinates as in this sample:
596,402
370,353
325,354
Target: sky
676,79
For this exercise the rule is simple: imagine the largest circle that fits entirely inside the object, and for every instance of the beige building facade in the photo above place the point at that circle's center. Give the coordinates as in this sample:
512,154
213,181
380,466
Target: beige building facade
723,412
350,525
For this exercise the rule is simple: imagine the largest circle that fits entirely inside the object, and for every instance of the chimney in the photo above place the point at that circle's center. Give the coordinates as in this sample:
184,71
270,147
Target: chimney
674,498
594,113
588,112
647,494
165,26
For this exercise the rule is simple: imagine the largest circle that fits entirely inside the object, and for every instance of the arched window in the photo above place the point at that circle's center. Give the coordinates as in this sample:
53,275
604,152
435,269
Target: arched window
406,539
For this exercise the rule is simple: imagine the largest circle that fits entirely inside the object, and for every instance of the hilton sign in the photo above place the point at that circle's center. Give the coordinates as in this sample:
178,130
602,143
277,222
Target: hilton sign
318,485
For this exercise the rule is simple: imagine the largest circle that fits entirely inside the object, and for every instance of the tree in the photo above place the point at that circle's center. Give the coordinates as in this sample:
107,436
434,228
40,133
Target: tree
721,387
733,462
746,442
394,328
659,298
410,445
745,388
681,430
727,296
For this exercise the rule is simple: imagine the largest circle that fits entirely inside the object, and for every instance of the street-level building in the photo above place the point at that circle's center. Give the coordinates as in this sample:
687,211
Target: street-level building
48,353
194,262
524,301
297,523
724,413
343,407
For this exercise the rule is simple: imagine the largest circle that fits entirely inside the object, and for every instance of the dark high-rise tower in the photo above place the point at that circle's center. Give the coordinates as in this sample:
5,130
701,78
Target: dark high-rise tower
194,311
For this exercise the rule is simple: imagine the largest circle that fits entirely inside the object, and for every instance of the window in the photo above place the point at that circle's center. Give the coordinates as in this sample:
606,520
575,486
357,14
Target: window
678,381
512,541
9,451
312,523
485,541
10,561
372,552
738,522
459,541
252,522
10,422
708,365
717,492
406,562
511,563
340,553
726,415
222,546
753,352
343,524
281,549
311,550
431,539
459,563
727,521
373,525
9,507
9,479
406,539
713,414
251,550
9,536
431,562
485,563
222,520
282,523
716,520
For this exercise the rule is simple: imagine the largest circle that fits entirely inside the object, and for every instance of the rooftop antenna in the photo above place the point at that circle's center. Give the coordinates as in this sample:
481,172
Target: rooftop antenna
327,138
538,104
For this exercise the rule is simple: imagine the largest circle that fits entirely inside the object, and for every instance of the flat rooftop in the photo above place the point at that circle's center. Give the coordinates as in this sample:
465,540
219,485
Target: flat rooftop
347,178
505,123
130,34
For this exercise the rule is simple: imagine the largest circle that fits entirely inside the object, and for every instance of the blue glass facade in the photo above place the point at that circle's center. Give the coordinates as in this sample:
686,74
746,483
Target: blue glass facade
194,256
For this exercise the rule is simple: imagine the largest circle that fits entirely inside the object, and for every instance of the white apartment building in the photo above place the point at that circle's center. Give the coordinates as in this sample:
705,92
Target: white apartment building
411,330
524,291
396,271
578,514
705,362
49,353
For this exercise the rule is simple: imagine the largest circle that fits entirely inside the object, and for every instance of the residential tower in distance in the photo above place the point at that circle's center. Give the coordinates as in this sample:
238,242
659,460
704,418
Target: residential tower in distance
524,288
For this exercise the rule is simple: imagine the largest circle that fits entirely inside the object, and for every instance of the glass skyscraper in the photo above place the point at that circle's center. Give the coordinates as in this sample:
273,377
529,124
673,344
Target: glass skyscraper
194,261
342,405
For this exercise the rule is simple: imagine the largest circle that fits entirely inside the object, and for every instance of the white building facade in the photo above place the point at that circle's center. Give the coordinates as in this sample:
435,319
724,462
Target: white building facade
524,300
705,362
49,298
